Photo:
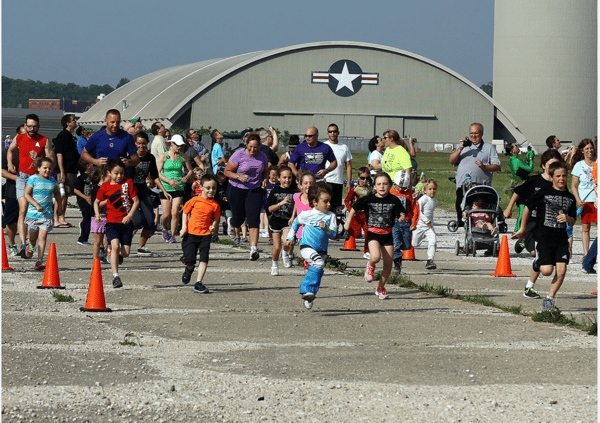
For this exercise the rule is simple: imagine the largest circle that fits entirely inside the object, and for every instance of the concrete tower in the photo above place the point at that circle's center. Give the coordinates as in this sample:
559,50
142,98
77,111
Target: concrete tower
545,67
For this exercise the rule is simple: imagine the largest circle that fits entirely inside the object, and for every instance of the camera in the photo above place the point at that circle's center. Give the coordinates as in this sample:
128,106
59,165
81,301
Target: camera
467,142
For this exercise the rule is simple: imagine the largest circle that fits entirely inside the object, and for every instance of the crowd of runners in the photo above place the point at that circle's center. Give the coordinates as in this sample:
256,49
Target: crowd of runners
121,180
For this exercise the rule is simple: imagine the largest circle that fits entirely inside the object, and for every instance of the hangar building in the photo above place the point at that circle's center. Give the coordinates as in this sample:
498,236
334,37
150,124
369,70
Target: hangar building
364,88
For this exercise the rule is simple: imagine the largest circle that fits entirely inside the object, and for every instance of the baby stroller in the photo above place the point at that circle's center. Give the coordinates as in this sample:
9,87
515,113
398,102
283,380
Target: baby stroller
480,238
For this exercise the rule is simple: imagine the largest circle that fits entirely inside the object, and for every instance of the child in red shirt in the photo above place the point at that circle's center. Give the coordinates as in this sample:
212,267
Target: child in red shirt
122,204
356,193
200,219
403,229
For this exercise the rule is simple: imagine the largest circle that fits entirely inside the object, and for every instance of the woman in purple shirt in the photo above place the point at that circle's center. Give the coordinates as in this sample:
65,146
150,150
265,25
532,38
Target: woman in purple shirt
247,171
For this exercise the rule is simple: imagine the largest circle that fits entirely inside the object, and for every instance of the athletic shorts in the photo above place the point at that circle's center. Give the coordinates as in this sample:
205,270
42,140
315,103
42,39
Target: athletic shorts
192,245
383,239
10,212
21,182
277,224
120,231
144,217
174,194
98,228
70,180
551,254
45,223
589,214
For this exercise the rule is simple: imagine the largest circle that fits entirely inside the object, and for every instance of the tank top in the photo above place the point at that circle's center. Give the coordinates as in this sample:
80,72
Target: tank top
172,171
300,207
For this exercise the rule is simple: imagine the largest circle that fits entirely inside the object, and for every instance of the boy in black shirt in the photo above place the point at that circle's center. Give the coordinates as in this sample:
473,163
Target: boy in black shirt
83,191
556,207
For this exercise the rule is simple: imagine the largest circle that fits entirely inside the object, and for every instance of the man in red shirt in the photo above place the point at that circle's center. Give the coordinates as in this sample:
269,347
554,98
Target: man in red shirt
31,145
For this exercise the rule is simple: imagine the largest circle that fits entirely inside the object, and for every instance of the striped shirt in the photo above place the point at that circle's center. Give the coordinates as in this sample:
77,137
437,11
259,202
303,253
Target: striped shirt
42,193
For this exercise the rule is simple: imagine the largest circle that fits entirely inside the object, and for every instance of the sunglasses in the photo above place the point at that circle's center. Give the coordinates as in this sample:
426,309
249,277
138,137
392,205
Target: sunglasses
333,132
309,135
363,177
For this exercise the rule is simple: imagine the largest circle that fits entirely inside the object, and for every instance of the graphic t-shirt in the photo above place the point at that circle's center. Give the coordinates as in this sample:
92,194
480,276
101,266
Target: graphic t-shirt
532,185
115,146
86,187
277,195
381,213
147,165
27,145
42,193
310,158
549,203
120,199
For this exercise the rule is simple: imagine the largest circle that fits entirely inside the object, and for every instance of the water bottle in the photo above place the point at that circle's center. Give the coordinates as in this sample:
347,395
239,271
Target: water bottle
61,186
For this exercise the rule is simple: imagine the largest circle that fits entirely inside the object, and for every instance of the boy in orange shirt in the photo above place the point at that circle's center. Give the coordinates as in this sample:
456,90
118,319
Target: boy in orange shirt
200,218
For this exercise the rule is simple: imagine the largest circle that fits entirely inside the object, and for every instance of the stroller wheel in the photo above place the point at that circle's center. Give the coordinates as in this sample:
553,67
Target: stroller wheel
453,226
495,249
457,248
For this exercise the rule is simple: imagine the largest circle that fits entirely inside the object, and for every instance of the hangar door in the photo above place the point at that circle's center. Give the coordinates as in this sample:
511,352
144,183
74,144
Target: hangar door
360,126
384,123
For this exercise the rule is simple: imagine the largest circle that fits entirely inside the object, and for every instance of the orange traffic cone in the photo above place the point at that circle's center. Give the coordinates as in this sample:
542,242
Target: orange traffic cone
503,265
409,254
594,293
350,244
51,278
95,299
5,265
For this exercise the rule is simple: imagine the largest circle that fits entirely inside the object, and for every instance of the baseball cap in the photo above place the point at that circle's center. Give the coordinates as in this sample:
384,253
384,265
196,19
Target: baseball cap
177,139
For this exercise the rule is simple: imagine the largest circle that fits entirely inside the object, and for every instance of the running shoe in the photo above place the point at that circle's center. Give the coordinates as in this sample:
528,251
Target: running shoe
254,255
143,251
308,304
117,282
199,288
367,255
548,304
588,271
381,293
215,239
531,293
519,246
39,265
274,271
165,235
238,241
369,271
172,239
244,241
29,250
13,250
22,251
287,261
83,243
397,266
430,265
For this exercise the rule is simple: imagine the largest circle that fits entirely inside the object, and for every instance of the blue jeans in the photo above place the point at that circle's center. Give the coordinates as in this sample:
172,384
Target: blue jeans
590,260
402,238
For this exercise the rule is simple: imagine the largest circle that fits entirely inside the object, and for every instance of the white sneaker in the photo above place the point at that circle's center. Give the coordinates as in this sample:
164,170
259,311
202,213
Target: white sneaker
367,255
274,271
308,304
264,233
287,261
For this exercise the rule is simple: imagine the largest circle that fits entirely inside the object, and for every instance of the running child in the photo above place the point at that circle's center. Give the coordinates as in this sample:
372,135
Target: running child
356,193
319,226
524,191
556,207
280,206
301,203
272,182
83,192
39,190
404,226
201,217
98,177
427,205
122,204
381,210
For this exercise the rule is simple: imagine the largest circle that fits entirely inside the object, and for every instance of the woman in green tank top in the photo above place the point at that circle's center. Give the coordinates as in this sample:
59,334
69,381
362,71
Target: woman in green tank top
170,171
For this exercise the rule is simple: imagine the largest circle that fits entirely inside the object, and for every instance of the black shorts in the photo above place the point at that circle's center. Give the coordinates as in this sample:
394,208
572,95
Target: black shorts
383,239
155,198
529,241
551,254
144,217
245,206
336,196
191,245
120,231
277,224
10,212
174,194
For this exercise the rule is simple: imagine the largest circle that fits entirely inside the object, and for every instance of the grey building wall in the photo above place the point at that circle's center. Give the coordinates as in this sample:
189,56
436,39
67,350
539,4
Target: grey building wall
545,66
412,96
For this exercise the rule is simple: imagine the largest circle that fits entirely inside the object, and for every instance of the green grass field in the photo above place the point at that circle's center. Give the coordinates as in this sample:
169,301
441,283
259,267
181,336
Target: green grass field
438,167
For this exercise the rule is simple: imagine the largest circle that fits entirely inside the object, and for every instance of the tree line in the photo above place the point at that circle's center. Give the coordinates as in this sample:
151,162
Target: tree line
17,92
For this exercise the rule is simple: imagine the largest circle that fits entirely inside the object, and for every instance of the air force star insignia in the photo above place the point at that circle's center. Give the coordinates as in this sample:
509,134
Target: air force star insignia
345,78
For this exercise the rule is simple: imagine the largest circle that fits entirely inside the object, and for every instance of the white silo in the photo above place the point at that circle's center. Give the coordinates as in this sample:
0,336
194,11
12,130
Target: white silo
545,67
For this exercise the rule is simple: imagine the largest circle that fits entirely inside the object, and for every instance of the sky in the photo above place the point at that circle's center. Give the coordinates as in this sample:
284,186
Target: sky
100,42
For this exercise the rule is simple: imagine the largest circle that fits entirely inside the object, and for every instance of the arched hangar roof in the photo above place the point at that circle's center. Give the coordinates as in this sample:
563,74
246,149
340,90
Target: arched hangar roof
166,94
